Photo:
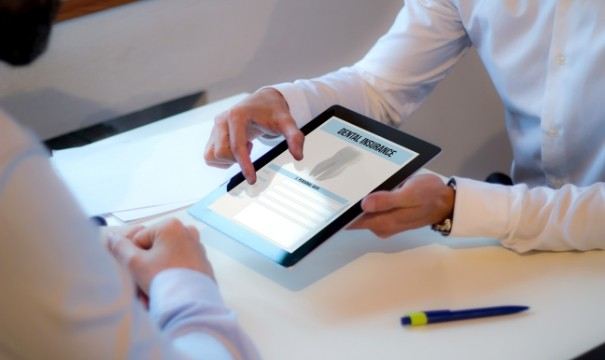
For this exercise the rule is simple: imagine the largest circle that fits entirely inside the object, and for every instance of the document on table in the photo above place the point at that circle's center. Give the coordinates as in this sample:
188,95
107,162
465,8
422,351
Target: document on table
142,213
130,178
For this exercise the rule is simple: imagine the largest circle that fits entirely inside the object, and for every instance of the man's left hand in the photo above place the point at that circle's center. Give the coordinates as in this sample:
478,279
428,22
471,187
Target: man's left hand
421,200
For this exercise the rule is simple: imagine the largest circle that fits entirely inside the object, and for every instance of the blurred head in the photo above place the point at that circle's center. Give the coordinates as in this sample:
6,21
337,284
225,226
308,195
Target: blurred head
25,28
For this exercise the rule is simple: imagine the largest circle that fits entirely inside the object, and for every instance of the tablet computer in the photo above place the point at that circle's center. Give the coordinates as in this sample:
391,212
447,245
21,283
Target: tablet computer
294,206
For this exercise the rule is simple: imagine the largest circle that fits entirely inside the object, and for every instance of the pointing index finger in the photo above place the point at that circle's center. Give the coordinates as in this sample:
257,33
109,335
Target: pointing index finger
238,140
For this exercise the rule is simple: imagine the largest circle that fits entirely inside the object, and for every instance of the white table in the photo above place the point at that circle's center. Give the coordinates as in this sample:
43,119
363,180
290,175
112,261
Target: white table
345,300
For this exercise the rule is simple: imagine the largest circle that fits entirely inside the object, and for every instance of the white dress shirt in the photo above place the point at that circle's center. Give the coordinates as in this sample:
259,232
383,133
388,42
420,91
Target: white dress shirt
65,297
547,62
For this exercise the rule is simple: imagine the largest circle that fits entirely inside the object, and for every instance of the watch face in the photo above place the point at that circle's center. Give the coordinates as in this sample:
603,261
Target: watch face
443,228
452,183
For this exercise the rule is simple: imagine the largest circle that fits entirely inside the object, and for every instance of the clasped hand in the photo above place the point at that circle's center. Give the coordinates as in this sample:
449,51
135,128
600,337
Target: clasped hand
147,251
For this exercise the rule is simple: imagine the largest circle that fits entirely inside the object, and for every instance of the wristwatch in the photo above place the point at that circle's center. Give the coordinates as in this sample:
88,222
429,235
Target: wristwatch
445,227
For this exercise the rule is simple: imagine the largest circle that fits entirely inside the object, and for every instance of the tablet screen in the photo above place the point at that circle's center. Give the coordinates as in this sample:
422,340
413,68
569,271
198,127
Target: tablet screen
292,200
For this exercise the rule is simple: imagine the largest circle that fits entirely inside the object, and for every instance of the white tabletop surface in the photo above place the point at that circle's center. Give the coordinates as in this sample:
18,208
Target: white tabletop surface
345,299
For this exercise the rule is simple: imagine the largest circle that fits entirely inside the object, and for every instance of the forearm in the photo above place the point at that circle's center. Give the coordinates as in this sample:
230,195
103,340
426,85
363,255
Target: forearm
532,219
59,280
63,295
396,75
189,310
346,87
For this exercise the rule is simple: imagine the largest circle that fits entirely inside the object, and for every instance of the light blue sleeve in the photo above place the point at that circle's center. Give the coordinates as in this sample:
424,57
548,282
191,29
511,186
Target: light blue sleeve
187,306
65,297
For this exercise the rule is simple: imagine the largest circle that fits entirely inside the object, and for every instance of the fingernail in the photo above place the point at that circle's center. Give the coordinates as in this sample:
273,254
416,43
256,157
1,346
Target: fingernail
366,205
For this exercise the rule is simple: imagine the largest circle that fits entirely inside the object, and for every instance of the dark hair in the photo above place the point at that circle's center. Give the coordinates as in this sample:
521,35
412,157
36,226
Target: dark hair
25,27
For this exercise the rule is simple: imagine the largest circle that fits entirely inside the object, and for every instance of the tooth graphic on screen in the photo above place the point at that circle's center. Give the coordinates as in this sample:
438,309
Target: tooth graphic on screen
336,163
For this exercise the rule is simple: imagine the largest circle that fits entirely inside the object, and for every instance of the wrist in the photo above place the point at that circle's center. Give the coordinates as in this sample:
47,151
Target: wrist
171,289
444,227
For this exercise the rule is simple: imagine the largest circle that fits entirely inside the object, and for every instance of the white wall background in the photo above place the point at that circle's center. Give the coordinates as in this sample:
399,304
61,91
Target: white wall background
122,60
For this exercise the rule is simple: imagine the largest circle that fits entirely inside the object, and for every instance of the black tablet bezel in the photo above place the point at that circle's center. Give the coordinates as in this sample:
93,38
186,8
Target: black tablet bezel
426,151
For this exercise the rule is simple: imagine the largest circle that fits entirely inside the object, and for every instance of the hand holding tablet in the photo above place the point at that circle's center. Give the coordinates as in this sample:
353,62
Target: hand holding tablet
294,206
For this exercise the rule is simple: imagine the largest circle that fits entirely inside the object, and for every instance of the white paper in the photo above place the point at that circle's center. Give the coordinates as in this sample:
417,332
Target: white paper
150,171
146,212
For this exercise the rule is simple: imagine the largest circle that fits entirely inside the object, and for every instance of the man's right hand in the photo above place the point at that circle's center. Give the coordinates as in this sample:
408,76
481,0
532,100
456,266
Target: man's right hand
264,112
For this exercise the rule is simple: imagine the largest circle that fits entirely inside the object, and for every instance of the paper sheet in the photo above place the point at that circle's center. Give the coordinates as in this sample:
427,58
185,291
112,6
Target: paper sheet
153,171
146,212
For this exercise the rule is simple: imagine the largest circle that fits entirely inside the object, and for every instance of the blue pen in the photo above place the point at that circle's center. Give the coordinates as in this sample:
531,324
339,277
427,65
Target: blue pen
437,316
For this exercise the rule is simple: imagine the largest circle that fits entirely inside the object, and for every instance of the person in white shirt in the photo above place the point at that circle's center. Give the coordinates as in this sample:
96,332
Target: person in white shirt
546,60
63,294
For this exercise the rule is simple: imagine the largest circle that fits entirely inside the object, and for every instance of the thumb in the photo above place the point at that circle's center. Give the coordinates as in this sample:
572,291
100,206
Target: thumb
381,201
122,248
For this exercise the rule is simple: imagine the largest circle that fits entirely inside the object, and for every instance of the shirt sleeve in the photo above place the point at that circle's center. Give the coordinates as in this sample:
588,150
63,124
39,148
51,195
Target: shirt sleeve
527,219
183,301
396,75
65,297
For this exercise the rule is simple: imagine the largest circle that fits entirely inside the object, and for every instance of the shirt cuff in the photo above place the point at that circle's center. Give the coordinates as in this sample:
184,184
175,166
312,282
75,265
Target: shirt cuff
176,288
481,209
